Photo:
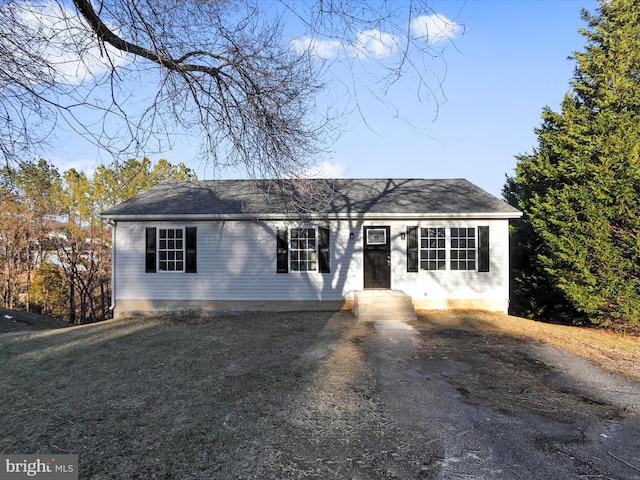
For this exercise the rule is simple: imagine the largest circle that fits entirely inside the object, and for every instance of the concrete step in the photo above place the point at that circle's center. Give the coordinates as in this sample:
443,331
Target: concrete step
379,305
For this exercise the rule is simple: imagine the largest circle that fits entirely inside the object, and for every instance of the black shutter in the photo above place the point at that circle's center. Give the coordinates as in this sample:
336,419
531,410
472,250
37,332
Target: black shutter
150,252
483,249
282,252
412,249
324,260
191,265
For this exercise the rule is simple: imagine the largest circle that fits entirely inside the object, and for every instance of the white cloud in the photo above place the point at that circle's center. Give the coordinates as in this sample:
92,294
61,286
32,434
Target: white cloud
374,43
63,41
78,162
326,170
325,49
378,44
434,28
368,44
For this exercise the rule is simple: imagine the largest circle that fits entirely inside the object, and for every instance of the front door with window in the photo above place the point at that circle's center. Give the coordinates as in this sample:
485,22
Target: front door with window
377,257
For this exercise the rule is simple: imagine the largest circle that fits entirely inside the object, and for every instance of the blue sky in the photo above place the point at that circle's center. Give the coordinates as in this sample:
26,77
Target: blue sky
508,60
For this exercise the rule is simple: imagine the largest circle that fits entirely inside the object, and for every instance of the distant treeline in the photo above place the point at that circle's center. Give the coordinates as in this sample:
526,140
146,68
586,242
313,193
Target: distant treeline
55,251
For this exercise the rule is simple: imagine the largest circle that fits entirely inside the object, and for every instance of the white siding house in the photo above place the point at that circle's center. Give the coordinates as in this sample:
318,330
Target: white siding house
211,246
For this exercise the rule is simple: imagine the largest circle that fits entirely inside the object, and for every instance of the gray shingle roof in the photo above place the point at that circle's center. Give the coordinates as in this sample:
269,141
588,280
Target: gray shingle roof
339,197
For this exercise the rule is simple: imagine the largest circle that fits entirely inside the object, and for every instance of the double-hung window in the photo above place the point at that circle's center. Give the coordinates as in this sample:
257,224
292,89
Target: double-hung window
433,251
171,250
303,249
303,252
454,248
463,249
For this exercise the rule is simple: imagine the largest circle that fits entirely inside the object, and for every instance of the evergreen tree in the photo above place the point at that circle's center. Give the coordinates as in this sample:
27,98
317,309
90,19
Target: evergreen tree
580,189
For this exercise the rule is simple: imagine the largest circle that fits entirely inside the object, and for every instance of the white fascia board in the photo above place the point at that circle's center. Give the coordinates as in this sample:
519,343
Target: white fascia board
428,216
329,216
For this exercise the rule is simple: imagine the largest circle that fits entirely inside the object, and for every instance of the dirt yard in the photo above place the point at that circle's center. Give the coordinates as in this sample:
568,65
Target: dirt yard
320,396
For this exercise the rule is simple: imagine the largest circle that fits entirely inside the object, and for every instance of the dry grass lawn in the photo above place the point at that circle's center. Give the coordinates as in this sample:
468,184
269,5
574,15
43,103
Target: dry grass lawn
615,352
279,395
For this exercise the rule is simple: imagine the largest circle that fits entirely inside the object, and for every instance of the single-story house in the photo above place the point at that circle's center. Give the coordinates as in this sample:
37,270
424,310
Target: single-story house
224,245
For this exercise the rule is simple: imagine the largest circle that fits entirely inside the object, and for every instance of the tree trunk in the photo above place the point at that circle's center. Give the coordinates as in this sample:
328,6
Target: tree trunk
72,303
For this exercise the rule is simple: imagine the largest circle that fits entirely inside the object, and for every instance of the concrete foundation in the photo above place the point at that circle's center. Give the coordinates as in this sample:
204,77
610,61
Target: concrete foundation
138,308
462,304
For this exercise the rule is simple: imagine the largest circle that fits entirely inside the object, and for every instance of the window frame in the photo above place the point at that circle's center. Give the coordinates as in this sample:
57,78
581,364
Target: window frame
462,250
322,252
190,249
182,250
435,250
418,251
373,236
297,251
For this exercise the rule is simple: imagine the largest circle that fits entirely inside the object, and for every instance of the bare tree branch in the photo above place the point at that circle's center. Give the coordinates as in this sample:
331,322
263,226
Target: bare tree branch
132,76
105,34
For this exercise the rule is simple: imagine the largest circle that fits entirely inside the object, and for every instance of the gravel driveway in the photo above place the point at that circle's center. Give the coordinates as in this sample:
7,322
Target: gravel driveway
484,406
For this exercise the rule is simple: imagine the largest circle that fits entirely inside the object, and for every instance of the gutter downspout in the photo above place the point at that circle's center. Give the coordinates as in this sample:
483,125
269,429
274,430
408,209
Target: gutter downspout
113,224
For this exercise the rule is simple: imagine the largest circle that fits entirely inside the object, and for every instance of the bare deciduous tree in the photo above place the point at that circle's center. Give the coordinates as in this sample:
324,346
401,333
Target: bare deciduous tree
240,78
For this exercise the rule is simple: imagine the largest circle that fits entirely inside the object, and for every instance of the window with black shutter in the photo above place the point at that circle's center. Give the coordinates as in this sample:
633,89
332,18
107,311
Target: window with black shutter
170,250
303,249
439,248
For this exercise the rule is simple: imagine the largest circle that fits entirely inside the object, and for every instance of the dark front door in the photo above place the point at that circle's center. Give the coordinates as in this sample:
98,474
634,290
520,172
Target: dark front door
377,257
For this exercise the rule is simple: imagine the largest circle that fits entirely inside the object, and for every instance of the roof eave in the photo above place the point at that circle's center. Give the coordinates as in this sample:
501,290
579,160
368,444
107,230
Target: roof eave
327,216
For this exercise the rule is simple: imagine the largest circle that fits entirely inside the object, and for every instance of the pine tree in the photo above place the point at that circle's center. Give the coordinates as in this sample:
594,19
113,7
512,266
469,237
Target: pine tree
580,189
